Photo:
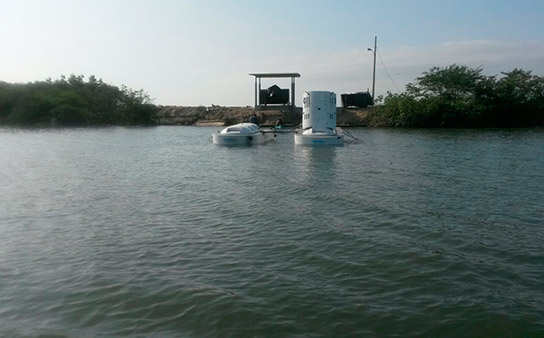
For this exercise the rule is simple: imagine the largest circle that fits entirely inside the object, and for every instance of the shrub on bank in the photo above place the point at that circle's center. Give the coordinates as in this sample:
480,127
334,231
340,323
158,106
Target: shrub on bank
73,101
460,96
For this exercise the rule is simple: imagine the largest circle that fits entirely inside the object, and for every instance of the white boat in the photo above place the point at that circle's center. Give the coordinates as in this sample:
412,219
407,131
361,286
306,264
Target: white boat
319,120
242,134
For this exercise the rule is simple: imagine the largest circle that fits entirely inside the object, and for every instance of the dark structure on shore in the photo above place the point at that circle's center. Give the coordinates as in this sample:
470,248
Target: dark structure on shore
358,100
274,95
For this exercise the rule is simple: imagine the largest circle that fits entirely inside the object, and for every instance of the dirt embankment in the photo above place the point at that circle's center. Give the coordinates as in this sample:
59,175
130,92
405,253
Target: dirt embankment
353,117
219,115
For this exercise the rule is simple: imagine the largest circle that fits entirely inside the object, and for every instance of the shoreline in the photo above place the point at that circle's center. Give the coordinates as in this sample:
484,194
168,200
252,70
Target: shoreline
221,115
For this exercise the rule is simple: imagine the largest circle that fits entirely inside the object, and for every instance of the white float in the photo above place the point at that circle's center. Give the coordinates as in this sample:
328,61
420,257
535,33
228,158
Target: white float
319,120
242,134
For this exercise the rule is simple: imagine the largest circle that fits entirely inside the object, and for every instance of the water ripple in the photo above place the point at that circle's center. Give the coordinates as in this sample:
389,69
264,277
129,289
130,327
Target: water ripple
157,232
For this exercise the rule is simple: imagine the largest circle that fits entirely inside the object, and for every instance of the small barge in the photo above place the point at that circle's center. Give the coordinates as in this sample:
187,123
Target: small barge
242,134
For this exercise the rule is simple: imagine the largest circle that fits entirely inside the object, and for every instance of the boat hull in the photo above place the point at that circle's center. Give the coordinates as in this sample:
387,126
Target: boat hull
336,139
244,139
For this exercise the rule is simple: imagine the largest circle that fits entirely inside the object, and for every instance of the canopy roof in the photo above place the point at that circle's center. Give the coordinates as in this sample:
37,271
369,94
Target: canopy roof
258,75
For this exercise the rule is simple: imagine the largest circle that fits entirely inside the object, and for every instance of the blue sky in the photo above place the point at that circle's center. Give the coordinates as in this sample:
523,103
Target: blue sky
200,52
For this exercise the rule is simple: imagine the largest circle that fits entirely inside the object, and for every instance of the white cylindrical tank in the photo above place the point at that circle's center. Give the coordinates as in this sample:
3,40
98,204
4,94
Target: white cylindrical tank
319,112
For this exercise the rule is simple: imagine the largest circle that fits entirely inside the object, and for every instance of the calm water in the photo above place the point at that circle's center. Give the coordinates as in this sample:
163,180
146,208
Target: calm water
157,232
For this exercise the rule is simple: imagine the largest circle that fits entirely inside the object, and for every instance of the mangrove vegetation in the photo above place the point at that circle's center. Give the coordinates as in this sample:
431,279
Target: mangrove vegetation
458,96
455,96
74,101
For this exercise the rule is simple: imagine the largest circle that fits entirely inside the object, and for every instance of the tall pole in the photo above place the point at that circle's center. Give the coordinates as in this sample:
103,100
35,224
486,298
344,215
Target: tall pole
374,71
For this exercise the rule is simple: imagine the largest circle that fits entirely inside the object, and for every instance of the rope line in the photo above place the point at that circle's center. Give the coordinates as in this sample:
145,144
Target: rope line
355,139
387,73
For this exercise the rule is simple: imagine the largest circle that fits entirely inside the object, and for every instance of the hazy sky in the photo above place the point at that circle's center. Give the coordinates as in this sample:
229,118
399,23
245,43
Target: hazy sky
200,52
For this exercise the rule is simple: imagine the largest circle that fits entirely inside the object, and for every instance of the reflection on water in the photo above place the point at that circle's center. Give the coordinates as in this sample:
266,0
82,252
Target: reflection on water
315,164
156,231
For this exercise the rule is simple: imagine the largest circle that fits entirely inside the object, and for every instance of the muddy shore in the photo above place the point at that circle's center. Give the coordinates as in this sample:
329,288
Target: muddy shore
219,115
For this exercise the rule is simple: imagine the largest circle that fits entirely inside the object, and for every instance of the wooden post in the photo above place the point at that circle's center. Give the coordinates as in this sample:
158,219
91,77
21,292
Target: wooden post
374,69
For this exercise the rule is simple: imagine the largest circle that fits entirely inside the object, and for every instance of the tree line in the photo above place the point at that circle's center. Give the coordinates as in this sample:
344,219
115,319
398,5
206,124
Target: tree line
460,96
74,101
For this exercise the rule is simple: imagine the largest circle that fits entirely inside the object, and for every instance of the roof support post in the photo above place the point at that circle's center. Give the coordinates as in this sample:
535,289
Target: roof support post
293,92
259,92
255,86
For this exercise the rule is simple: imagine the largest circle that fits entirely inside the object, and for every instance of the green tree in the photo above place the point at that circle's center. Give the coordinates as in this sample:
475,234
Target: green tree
451,82
460,96
72,101
519,99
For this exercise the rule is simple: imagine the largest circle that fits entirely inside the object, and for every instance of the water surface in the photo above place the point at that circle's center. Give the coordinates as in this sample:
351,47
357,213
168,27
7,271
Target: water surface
156,231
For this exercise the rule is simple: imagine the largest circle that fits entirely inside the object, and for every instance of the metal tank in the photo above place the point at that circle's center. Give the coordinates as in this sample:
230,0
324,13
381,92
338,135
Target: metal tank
319,112
319,120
